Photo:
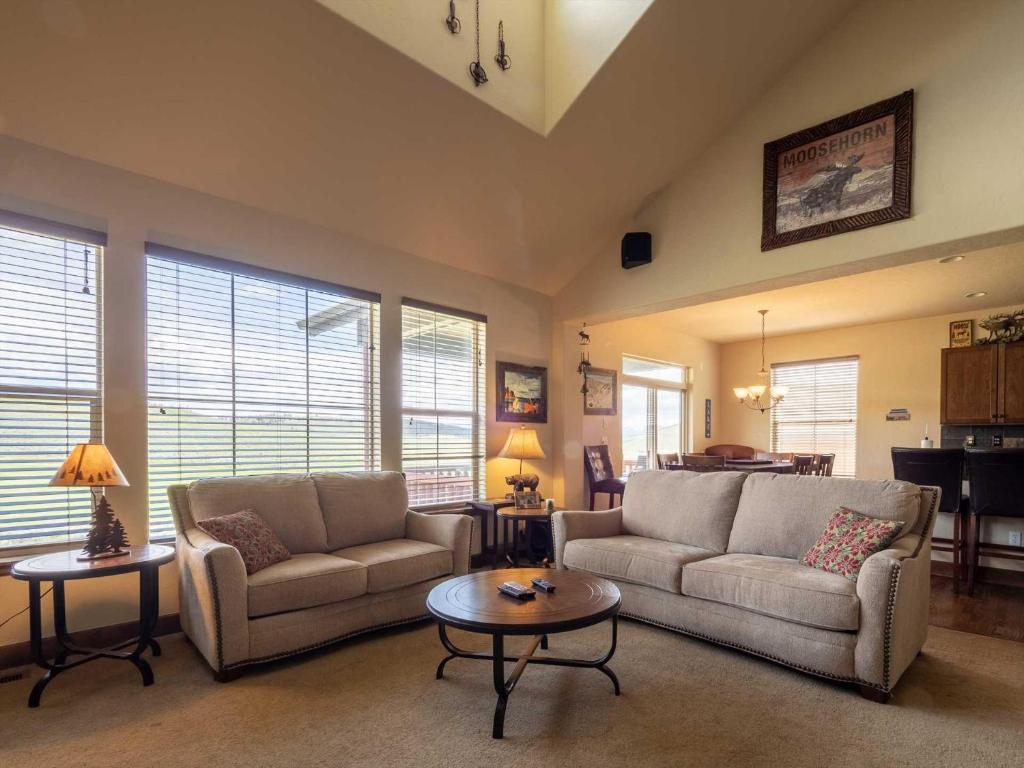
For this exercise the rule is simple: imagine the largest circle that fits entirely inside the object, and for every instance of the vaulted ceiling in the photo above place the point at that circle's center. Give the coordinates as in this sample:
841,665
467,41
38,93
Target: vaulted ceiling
290,108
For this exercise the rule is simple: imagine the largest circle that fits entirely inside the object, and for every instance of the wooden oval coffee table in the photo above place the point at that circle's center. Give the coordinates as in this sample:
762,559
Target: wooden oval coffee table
473,603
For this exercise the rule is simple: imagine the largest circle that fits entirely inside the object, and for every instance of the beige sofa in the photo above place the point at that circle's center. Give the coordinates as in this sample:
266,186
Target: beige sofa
716,555
360,560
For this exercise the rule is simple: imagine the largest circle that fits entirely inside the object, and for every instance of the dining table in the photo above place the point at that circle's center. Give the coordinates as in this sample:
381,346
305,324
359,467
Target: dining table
749,465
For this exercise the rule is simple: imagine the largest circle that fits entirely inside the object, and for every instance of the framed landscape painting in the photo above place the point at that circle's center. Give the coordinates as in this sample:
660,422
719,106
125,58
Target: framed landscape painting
522,393
845,174
602,393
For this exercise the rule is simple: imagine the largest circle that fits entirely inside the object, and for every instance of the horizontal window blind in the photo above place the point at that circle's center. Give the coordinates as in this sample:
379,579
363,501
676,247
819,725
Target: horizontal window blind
50,378
443,404
819,413
253,375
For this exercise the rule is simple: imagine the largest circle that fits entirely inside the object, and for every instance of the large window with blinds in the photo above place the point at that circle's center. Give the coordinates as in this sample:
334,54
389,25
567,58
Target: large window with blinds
50,375
443,404
252,371
819,414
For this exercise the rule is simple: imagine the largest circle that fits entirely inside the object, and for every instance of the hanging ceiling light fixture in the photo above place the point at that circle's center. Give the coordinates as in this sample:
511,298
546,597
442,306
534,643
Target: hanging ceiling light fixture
752,396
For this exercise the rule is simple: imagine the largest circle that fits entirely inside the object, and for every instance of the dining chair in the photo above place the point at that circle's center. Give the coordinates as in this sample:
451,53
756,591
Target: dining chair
996,478
943,468
597,464
823,466
803,463
700,462
664,459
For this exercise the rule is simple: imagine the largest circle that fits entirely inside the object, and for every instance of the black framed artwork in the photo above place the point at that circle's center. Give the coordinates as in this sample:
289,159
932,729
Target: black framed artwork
845,174
522,393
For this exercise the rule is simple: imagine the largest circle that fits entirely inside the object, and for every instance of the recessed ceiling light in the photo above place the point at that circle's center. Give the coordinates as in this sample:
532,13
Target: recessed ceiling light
950,259
975,294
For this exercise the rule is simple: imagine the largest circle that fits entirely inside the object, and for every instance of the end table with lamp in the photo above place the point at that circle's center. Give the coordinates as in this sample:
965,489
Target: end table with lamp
106,553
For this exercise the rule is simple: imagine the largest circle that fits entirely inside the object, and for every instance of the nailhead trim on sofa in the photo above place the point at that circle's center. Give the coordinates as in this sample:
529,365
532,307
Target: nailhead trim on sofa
753,652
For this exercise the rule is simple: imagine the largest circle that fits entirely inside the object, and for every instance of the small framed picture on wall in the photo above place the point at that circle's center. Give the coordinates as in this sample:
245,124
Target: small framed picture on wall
961,333
602,393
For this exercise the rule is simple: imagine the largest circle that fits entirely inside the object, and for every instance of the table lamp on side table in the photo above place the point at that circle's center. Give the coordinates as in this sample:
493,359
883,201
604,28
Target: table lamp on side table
522,444
91,465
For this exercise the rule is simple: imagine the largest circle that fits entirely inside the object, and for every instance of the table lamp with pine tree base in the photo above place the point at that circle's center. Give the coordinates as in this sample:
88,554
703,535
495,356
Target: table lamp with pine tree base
91,465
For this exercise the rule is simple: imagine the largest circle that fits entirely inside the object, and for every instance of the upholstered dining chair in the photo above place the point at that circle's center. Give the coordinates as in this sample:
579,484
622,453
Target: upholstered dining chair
944,468
597,464
664,459
730,451
803,463
823,466
699,462
996,477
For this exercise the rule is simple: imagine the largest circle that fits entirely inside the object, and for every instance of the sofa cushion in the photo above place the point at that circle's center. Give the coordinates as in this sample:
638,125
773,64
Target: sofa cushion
848,540
775,586
694,508
633,558
287,503
783,515
362,507
399,562
245,531
303,582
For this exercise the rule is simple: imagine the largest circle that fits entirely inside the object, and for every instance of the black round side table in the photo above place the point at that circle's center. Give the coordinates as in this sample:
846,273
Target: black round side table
64,566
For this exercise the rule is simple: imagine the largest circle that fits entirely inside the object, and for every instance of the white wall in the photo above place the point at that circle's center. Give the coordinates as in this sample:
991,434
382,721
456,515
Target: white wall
417,29
579,36
965,62
133,209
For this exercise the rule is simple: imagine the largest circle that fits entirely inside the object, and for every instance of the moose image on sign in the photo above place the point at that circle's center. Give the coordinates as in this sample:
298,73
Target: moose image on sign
848,173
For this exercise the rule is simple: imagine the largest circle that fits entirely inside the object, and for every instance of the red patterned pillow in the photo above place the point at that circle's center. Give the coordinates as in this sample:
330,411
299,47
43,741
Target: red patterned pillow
849,539
250,535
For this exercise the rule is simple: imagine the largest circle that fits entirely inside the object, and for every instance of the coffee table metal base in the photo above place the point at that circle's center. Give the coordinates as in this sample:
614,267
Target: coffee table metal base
504,687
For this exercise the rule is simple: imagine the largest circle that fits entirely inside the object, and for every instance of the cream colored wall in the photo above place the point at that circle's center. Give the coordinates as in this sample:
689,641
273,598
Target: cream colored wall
652,337
900,367
579,36
133,209
417,29
965,63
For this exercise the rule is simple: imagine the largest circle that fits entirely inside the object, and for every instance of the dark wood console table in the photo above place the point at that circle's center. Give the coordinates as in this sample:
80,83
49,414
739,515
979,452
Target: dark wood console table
60,567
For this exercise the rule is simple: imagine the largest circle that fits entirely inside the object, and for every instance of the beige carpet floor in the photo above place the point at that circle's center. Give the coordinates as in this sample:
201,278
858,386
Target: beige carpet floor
374,702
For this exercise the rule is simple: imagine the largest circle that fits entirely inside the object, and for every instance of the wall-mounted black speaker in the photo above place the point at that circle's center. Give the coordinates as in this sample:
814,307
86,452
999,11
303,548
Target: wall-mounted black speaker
636,249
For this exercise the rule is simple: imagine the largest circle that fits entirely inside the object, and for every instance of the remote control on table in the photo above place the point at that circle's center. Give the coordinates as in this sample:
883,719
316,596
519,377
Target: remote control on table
518,591
543,584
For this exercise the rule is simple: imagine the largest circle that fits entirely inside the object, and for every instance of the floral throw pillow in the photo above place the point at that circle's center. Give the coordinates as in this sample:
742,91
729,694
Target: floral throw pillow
849,539
247,532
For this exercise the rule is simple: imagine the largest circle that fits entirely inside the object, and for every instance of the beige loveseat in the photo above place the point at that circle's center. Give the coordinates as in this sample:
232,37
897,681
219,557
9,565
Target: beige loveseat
716,555
360,560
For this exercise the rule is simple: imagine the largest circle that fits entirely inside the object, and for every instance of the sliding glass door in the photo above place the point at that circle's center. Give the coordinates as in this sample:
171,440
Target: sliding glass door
652,422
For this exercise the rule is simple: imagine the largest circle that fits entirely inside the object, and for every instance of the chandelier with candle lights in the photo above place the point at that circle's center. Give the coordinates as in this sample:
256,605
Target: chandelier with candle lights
761,396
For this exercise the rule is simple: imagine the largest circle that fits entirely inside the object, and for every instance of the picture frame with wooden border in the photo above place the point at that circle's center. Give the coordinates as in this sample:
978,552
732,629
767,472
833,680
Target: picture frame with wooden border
961,333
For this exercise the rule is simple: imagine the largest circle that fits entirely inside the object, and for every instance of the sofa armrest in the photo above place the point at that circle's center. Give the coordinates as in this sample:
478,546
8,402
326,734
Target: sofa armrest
213,597
566,526
893,587
452,531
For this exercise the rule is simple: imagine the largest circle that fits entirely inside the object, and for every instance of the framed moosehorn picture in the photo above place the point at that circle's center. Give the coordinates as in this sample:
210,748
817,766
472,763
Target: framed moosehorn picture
848,173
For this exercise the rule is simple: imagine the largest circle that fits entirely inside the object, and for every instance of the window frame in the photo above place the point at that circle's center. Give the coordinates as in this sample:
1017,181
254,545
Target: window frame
94,241
477,414
235,269
776,411
653,387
